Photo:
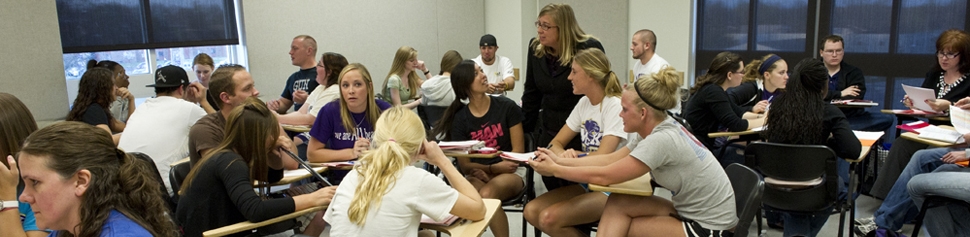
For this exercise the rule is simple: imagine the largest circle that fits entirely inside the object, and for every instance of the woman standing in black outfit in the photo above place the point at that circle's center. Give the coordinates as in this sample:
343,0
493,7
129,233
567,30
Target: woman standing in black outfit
546,87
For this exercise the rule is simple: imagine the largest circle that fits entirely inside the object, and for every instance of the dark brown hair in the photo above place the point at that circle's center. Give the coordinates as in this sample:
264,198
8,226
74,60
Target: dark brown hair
16,123
118,181
722,64
96,87
334,62
955,41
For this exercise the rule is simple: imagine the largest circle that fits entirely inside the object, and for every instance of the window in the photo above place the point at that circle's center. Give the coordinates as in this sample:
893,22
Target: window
781,25
725,25
200,26
134,61
922,21
865,25
106,25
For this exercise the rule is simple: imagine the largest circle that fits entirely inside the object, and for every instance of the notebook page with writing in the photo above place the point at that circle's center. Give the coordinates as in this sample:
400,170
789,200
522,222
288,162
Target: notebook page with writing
960,119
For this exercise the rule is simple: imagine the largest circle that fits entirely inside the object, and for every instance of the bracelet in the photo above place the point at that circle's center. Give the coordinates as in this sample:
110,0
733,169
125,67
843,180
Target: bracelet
507,87
427,71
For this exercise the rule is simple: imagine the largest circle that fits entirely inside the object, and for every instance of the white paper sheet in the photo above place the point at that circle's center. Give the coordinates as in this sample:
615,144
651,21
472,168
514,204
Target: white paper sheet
918,95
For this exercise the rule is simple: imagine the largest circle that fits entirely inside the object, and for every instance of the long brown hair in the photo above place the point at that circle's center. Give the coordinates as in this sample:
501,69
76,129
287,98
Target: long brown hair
462,77
247,128
717,73
372,112
118,181
16,123
96,87
401,57
334,62
796,115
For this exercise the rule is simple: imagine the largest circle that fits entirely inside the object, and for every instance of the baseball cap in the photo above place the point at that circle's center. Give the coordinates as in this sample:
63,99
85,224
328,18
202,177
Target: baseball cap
170,76
487,40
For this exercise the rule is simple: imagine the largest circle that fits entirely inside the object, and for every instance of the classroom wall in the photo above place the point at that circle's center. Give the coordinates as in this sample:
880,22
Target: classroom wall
607,21
366,31
671,21
33,69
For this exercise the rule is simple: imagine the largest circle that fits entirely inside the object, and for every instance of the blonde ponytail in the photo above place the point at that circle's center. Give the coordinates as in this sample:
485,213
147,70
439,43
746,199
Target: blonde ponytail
398,135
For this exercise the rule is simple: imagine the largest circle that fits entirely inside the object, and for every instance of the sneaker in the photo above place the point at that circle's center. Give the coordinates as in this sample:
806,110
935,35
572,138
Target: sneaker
862,229
866,221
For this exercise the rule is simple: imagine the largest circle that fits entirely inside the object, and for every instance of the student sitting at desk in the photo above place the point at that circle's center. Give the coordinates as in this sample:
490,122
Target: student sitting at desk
344,128
704,202
385,195
795,118
403,83
219,189
595,121
497,121
947,79
328,69
764,80
77,181
16,124
96,92
710,109
437,90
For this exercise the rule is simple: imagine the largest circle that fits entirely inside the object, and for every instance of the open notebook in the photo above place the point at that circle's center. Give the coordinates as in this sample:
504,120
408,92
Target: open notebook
451,219
515,156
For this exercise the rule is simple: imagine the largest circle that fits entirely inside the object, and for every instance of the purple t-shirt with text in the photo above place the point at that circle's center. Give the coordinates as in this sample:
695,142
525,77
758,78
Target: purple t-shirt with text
329,128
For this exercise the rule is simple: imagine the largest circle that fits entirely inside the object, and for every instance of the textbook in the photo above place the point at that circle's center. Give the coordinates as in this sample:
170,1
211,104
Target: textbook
448,221
927,131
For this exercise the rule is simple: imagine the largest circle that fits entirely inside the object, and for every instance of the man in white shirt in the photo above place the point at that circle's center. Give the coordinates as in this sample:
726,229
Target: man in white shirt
497,69
160,126
643,47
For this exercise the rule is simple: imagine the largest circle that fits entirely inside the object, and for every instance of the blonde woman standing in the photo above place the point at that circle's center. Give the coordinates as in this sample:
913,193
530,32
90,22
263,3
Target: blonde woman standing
385,195
403,83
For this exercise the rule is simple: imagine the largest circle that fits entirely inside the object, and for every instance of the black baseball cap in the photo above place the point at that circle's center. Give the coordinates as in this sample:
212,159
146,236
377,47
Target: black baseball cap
170,76
487,40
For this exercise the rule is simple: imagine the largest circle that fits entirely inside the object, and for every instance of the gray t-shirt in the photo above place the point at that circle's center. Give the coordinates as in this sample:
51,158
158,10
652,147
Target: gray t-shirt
680,163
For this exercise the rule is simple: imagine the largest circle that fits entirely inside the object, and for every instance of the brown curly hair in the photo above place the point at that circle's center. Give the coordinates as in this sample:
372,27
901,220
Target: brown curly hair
96,87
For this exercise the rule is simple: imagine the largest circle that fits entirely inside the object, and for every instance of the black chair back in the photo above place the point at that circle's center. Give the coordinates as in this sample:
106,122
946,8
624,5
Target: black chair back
748,190
795,163
430,114
176,175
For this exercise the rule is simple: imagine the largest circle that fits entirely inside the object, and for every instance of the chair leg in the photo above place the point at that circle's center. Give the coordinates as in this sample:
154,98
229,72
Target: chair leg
758,219
921,215
841,207
853,188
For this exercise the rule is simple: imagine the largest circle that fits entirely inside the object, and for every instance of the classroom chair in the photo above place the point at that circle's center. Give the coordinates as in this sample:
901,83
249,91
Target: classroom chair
149,164
748,190
430,115
798,178
933,201
176,176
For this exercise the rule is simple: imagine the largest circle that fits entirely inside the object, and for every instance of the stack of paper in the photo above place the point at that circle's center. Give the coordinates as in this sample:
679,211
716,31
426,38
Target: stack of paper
918,95
336,164
461,146
450,219
515,156
940,134
855,102
868,138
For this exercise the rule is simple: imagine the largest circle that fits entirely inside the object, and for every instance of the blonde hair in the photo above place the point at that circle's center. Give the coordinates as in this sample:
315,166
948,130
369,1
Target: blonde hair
569,32
398,136
372,112
597,66
658,92
402,56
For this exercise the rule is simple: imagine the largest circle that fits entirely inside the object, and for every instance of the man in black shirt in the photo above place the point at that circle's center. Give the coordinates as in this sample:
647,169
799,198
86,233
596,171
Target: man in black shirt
303,52
847,82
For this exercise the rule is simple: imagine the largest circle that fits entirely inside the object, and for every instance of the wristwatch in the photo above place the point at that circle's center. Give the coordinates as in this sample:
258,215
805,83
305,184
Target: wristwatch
4,205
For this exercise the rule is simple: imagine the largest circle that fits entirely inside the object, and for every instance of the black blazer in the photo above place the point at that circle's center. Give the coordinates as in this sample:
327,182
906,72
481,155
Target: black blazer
550,92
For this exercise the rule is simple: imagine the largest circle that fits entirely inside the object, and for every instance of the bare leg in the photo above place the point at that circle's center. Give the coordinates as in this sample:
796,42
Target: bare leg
535,207
629,215
501,187
559,219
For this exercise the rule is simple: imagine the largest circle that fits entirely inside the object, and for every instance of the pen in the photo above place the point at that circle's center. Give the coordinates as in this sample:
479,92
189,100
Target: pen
547,147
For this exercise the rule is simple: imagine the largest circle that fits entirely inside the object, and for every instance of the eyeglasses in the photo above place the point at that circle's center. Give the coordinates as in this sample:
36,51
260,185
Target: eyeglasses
544,27
833,52
941,54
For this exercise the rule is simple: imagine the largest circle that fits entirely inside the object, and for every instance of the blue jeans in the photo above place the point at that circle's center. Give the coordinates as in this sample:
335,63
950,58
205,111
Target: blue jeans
862,120
898,208
948,181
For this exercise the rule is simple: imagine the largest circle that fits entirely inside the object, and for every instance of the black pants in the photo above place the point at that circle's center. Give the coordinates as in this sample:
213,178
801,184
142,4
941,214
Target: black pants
543,140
